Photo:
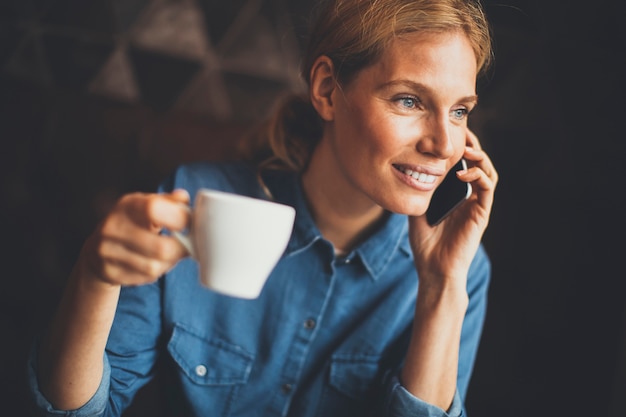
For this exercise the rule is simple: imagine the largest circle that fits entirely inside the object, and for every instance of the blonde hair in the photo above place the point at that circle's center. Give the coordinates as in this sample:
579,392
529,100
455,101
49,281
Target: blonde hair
354,34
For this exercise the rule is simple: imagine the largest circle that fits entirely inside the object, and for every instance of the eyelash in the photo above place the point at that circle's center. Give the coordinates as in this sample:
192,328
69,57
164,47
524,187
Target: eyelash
464,115
416,102
402,101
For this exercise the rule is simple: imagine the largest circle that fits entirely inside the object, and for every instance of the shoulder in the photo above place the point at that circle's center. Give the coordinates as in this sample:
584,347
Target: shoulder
235,177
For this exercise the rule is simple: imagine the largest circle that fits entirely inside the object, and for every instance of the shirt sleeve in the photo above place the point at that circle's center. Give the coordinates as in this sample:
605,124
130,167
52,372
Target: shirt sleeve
94,407
478,280
129,361
400,403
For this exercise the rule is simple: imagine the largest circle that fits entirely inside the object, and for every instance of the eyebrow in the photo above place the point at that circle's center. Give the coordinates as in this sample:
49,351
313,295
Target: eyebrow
422,88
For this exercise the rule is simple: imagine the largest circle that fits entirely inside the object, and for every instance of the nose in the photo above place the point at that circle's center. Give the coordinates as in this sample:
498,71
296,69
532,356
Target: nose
436,138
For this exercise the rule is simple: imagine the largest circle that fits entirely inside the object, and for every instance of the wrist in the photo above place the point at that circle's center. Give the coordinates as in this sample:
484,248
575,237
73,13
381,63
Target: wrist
85,277
448,294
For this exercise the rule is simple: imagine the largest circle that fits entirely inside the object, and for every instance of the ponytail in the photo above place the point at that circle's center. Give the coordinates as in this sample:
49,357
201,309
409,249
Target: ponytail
286,140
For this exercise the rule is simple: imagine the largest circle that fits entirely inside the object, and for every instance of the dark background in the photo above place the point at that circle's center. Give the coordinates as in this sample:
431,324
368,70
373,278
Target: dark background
102,97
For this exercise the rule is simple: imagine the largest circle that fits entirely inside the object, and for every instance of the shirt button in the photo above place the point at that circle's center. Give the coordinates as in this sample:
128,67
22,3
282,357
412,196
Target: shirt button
201,370
286,388
309,324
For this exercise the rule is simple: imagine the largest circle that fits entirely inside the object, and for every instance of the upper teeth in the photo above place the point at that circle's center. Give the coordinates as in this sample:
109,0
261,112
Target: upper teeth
421,177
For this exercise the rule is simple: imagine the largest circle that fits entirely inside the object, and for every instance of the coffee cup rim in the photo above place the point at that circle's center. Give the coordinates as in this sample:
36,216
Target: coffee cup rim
239,197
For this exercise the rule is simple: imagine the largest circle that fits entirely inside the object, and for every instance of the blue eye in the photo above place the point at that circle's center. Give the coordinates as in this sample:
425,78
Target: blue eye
408,102
459,114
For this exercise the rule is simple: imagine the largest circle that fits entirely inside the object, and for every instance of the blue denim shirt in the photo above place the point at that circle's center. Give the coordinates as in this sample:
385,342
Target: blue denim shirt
326,337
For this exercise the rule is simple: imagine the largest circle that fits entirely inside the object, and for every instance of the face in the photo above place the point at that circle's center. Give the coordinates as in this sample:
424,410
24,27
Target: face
400,124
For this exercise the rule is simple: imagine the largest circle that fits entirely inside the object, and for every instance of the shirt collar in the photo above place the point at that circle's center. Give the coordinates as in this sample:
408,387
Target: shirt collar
376,252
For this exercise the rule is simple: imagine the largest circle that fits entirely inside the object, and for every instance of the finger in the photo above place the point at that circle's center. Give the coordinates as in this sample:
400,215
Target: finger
133,270
119,238
149,256
156,211
482,184
181,195
471,140
478,158
168,211
113,263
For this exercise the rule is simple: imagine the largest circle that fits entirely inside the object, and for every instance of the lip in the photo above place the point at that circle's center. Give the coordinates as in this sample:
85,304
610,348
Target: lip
399,170
437,172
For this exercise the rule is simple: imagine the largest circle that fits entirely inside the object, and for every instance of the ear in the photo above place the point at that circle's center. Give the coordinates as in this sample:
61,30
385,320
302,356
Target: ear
322,86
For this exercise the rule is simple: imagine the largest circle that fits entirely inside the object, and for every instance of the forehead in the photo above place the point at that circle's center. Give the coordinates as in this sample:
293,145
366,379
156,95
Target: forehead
437,58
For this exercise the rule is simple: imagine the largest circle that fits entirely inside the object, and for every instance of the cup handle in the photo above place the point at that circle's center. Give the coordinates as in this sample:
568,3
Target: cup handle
186,239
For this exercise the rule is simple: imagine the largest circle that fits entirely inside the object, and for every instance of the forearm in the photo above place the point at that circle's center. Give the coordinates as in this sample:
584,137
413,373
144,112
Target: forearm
71,353
431,365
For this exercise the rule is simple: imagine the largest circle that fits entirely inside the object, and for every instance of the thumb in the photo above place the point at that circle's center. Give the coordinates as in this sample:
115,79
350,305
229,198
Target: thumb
180,195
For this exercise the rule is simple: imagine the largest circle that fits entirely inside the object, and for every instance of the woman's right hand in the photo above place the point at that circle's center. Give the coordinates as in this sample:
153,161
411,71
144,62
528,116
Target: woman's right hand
127,247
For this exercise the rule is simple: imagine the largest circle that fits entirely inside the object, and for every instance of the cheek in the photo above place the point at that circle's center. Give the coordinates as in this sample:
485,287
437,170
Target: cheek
383,135
459,143
358,132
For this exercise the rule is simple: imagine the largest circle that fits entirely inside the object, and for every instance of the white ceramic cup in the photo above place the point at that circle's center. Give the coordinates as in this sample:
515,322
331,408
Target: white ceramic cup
236,240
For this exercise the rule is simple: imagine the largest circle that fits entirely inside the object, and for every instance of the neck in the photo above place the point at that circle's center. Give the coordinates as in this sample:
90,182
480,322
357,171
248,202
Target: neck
343,214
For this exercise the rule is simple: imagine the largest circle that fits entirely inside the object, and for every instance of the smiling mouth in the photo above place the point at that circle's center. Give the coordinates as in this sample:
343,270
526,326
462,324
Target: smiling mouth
418,176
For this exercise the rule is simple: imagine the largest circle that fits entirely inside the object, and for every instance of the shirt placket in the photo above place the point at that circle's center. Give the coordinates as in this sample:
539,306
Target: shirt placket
311,317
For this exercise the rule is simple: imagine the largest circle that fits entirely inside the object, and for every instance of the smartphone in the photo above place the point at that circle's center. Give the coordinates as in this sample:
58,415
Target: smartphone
449,195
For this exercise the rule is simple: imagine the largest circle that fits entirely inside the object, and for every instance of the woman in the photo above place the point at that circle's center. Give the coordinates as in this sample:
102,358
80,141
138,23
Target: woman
371,311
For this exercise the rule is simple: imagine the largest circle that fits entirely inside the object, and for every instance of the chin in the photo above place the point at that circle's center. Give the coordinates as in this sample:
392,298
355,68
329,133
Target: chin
410,212
416,206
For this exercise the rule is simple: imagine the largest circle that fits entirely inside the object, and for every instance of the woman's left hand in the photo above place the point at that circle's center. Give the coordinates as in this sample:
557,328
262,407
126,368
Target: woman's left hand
447,249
